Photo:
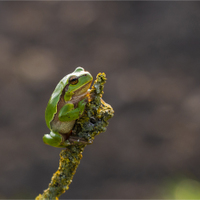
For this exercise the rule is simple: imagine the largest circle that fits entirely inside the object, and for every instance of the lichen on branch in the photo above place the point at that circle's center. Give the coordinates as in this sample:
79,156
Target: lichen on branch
94,121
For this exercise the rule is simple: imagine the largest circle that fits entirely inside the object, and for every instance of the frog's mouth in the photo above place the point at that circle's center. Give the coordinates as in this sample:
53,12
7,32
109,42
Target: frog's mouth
83,89
81,92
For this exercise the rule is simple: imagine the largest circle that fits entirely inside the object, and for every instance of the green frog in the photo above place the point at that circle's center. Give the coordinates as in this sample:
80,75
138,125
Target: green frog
65,106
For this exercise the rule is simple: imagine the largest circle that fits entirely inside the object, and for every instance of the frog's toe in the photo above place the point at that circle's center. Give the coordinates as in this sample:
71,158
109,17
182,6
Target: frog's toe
53,139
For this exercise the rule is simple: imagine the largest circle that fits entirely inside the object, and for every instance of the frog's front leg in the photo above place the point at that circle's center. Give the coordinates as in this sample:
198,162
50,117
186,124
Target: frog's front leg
69,113
53,139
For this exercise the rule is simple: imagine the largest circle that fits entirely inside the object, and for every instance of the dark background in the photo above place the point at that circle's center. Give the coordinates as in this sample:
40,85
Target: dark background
150,52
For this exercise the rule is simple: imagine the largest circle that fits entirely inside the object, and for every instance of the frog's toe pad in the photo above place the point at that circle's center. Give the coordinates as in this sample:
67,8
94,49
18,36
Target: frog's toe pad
53,139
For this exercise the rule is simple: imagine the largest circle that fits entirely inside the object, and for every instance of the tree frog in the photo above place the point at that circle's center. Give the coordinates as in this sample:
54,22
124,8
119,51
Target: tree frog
66,105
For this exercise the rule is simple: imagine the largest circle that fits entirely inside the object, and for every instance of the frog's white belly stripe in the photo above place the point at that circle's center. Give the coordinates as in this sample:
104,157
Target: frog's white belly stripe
62,127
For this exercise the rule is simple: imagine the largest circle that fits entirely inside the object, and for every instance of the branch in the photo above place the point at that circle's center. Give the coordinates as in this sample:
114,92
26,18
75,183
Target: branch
93,122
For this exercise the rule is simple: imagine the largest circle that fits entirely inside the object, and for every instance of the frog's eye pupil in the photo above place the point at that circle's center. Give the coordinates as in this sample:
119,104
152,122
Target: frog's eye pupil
73,80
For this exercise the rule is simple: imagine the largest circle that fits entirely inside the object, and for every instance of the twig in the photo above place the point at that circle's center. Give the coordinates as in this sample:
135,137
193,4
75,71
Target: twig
93,122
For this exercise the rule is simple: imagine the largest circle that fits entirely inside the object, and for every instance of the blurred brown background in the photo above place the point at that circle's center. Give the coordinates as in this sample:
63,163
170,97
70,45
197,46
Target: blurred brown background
150,52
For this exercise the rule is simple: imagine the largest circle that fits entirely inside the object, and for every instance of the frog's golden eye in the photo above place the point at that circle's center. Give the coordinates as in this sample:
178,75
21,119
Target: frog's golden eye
73,80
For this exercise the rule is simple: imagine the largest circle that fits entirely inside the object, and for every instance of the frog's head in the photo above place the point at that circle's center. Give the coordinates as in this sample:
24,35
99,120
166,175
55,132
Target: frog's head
78,83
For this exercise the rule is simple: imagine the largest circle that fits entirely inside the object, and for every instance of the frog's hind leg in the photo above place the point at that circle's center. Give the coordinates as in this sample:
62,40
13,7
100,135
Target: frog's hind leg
53,139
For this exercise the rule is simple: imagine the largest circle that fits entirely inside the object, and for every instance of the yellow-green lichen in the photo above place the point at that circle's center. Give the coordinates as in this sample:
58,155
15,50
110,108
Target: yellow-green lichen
93,122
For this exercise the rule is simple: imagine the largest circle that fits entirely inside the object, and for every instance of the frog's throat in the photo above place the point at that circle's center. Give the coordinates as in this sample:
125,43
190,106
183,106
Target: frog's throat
83,89
76,98
81,92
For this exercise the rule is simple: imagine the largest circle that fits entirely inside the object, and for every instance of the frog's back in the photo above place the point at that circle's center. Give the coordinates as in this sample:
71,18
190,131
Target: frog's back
51,108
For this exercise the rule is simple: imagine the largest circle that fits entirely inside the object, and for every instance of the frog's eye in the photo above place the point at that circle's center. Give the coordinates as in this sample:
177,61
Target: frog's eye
73,80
